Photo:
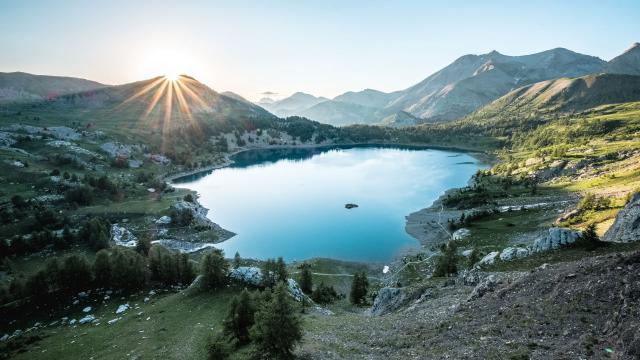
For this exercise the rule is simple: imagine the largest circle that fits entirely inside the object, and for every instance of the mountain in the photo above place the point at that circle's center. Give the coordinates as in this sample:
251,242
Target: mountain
20,86
626,63
292,105
565,95
400,119
338,113
475,80
366,97
233,95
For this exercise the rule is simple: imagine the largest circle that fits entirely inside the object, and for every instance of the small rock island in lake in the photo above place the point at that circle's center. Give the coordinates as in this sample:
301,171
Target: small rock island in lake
350,206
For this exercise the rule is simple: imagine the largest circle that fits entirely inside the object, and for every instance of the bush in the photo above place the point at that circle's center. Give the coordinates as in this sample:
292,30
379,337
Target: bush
447,263
324,294
219,347
188,198
589,239
81,195
75,274
96,232
277,326
359,288
214,269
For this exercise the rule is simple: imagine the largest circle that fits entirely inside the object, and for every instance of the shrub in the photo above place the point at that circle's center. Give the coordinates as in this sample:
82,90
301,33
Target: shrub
96,232
589,239
359,288
188,198
81,195
446,263
324,294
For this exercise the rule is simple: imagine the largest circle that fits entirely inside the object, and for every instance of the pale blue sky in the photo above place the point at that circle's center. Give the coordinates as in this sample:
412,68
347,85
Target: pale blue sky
320,47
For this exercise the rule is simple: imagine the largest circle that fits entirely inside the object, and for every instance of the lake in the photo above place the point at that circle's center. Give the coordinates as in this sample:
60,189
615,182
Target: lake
291,202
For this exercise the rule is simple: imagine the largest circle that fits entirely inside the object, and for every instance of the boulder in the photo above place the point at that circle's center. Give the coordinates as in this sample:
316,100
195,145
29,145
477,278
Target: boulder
388,300
84,320
489,259
249,275
86,309
556,238
469,277
164,220
467,253
122,236
122,308
626,227
512,253
295,291
460,234
487,285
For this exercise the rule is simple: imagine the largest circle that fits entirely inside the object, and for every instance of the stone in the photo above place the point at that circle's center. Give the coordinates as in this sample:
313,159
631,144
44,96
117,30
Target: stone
460,234
86,309
467,253
489,259
249,275
295,291
72,322
388,300
122,236
164,220
556,238
86,319
4,337
122,308
470,277
198,212
512,253
626,227
489,284
112,321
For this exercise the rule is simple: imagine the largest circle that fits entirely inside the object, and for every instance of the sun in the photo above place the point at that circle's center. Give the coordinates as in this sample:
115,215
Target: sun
172,76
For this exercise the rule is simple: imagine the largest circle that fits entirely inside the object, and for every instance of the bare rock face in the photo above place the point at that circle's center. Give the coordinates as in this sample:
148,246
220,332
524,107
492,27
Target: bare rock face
557,237
626,227
388,300
489,284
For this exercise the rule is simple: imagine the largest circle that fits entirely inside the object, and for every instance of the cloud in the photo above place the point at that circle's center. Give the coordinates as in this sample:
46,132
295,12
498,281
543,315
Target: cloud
270,93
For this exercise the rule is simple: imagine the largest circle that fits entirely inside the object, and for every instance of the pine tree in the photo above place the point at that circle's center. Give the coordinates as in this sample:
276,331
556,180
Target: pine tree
237,261
359,288
306,280
281,270
144,244
214,269
240,317
277,325
102,269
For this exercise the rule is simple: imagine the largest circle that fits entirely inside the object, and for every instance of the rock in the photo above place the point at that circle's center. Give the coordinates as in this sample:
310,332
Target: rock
16,333
122,308
489,259
122,236
187,247
487,285
85,320
76,302
4,337
467,253
460,234
198,213
112,321
557,237
87,309
249,275
470,277
146,299
72,322
83,294
164,220
626,227
295,291
323,311
388,300
195,287
512,253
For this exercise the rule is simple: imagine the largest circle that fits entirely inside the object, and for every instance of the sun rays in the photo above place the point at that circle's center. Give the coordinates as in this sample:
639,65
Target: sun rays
169,104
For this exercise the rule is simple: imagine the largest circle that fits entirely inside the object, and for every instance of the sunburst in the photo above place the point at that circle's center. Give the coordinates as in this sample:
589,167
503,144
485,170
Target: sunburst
172,101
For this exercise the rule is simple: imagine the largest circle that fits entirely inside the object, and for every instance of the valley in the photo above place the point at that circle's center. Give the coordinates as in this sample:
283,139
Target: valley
507,263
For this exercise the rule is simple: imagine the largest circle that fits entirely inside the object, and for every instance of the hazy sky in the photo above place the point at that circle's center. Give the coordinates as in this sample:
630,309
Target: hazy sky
320,47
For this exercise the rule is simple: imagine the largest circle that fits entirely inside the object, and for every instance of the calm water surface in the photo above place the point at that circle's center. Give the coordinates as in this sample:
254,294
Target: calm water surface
290,202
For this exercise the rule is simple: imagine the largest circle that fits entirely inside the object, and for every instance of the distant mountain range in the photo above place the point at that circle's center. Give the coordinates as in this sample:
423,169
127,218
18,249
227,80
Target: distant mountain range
20,86
460,88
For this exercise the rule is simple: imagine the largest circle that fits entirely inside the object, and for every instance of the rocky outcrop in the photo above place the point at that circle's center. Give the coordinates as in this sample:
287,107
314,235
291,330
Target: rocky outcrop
489,259
388,300
460,234
199,213
557,237
249,275
122,236
626,227
512,253
489,284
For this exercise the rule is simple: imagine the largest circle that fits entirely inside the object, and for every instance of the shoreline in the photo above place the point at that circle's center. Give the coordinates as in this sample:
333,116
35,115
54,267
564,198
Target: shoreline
426,225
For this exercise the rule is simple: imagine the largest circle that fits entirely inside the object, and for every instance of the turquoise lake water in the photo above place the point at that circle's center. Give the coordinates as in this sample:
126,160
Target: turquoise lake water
291,202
